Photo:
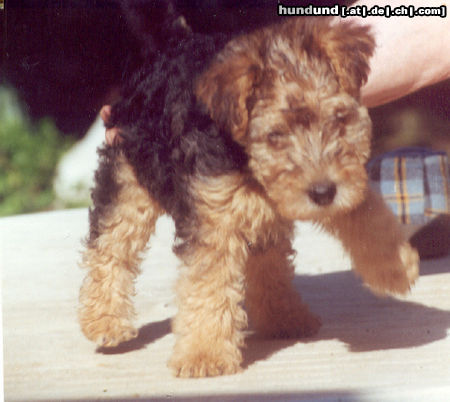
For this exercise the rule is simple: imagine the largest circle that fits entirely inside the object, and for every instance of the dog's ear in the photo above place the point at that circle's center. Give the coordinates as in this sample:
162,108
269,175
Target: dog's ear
227,86
349,48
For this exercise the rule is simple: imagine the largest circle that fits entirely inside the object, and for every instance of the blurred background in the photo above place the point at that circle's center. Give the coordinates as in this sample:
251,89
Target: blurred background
62,60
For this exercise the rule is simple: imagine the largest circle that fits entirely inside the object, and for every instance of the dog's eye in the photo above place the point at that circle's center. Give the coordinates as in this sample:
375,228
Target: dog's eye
276,139
344,116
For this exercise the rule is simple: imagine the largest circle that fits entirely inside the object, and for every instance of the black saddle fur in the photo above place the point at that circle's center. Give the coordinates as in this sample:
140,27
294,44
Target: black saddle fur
168,136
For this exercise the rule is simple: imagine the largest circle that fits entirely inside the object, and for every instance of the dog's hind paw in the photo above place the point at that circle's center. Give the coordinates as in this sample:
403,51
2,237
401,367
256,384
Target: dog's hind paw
109,331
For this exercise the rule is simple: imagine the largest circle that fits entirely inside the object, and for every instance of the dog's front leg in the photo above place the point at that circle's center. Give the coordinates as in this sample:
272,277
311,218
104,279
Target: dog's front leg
211,320
379,250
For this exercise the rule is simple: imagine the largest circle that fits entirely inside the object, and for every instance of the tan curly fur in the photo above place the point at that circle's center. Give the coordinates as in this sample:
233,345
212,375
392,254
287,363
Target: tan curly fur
289,95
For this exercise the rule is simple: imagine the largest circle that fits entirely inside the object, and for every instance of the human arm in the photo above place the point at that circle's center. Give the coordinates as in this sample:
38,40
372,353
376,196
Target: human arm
411,53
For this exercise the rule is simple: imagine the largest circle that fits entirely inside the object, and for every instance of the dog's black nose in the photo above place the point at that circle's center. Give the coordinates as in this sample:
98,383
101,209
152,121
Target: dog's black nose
322,193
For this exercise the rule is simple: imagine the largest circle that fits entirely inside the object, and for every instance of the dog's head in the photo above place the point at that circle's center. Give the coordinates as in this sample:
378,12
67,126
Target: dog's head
290,95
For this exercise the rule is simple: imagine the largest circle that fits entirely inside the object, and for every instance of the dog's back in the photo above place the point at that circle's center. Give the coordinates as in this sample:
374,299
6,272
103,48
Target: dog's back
165,130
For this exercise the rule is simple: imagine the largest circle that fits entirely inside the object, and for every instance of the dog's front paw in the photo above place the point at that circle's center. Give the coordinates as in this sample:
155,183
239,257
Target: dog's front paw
410,260
204,365
108,331
396,275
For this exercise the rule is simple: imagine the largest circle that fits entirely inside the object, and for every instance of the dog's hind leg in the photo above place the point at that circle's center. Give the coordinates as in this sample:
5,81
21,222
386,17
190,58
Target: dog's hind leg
121,223
274,306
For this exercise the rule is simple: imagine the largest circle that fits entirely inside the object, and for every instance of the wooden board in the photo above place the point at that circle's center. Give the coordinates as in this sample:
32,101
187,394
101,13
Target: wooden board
369,349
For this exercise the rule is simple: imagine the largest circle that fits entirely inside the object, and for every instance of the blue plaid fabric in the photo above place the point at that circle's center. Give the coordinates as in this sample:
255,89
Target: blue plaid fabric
414,182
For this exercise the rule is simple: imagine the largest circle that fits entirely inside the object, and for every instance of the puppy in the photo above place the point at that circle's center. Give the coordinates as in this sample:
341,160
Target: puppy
236,140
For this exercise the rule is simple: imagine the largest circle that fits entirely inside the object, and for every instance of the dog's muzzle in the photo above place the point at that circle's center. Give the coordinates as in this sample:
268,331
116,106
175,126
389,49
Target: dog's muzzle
322,193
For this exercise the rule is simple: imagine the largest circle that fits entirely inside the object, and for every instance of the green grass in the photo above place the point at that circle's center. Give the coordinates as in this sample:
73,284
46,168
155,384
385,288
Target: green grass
28,157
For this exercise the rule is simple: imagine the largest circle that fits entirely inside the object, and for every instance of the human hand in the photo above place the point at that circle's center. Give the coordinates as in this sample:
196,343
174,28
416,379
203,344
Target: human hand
112,135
